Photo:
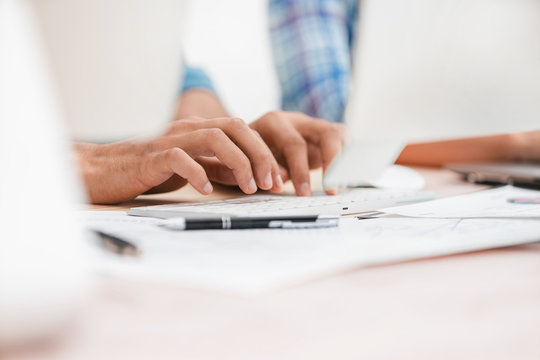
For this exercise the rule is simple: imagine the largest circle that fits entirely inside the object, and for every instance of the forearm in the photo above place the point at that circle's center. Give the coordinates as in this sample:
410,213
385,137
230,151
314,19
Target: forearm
507,147
200,103
99,166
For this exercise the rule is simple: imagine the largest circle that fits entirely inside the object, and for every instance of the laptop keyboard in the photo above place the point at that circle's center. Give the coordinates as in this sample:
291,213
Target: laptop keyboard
347,202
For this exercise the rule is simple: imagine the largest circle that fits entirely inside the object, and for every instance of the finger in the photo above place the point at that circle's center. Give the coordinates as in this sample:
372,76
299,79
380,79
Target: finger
331,141
281,178
277,178
315,157
219,173
331,191
214,142
289,145
330,148
216,170
176,161
296,155
330,144
328,137
284,173
263,163
171,184
315,162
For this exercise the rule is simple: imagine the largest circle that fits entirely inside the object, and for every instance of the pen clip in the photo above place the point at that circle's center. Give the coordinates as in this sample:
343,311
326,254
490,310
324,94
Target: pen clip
280,224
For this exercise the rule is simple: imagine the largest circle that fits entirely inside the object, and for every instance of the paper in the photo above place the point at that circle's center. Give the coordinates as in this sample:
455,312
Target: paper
254,261
504,202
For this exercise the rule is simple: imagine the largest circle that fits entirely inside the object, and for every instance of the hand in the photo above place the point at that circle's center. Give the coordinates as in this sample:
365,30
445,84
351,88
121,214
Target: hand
524,146
300,143
120,171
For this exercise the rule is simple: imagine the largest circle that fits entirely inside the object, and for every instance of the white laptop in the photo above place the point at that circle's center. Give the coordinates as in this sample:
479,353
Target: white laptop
427,70
423,70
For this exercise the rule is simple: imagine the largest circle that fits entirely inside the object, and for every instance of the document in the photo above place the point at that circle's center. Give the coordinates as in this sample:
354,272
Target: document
503,202
261,260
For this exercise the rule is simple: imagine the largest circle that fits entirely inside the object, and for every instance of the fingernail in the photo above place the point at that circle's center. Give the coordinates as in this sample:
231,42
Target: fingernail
304,189
207,189
252,187
331,191
279,181
268,181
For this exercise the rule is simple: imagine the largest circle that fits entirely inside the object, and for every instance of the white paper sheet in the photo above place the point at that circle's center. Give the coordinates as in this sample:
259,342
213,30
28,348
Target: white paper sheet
254,261
504,202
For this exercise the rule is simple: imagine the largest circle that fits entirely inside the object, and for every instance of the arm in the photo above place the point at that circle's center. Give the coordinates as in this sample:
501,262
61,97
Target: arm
311,42
199,102
198,96
507,147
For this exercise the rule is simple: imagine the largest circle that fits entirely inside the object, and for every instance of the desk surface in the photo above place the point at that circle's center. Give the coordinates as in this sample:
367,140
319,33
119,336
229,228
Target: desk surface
483,305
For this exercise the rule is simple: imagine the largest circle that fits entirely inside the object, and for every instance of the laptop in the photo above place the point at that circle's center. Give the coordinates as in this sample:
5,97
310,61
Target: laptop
423,71
518,174
434,70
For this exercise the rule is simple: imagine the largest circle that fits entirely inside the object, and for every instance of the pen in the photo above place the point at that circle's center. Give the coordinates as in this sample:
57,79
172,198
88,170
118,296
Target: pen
116,245
262,222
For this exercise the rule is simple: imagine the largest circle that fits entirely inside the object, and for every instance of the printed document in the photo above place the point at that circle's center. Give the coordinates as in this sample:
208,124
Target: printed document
503,202
260,260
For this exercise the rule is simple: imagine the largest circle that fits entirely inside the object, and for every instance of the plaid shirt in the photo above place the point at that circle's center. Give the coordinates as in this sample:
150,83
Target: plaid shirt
196,78
311,41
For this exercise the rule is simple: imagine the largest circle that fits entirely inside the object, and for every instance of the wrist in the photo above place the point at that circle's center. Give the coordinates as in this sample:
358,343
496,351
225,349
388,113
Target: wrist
522,146
84,153
102,167
201,103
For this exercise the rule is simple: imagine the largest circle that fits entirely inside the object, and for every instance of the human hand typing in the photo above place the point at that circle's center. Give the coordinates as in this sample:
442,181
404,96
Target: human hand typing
300,143
192,150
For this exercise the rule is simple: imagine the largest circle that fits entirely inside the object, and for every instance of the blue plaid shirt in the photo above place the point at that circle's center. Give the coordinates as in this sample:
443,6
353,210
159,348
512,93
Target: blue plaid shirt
196,78
311,41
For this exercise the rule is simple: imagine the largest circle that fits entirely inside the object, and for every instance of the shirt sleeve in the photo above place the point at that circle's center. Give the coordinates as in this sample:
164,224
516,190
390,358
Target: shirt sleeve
196,78
311,43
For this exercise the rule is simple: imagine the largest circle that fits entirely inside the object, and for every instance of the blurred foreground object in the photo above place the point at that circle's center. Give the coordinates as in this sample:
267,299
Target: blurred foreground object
43,275
117,64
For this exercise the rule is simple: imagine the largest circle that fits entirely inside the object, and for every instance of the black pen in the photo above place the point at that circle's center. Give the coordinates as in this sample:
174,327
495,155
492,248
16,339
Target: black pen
259,222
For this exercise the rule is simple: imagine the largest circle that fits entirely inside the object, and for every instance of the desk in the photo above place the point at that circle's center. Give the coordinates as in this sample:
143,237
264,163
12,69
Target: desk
483,305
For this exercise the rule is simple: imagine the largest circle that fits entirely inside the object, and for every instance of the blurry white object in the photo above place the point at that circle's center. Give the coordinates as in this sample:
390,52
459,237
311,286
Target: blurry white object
118,63
368,162
430,70
42,269
400,177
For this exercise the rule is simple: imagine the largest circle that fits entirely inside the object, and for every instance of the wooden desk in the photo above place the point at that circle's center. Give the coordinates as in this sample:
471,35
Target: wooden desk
483,305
